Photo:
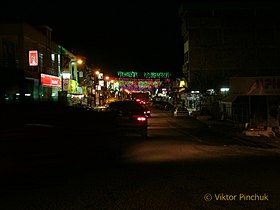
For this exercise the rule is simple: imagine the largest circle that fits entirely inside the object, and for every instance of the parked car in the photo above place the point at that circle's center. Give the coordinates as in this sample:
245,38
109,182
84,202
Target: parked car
130,118
162,105
147,111
169,107
100,108
181,112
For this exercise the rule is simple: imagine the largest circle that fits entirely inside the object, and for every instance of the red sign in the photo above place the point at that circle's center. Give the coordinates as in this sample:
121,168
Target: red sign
33,58
49,80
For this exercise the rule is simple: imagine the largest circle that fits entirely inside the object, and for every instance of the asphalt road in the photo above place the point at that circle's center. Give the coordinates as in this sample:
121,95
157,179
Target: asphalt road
182,165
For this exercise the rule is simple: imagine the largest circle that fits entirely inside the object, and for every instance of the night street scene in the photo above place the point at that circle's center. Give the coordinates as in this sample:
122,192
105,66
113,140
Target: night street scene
147,105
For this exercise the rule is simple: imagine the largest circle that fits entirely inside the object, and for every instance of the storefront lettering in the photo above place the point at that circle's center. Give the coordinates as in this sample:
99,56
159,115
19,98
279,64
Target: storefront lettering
55,82
267,83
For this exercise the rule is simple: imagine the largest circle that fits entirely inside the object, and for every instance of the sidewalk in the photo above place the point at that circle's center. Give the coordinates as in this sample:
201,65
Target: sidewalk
230,128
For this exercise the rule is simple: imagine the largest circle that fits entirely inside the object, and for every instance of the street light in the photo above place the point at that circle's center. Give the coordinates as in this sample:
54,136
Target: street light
106,86
80,61
96,93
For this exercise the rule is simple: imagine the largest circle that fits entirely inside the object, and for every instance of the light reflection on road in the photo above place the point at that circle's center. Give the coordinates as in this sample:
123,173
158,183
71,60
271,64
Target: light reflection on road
166,143
176,151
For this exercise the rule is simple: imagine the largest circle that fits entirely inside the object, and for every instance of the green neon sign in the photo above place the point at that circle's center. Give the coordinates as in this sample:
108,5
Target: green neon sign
149,75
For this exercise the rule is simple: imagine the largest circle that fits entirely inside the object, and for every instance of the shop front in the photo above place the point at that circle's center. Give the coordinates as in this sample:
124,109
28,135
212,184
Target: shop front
50,87
257,101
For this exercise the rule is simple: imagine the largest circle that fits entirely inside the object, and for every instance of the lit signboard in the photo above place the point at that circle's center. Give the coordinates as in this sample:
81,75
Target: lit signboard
49,80
148,75
33,58
138,84
101,83
100,76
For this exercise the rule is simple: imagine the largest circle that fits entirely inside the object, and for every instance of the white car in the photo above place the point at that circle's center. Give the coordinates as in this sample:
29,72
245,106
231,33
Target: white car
181,112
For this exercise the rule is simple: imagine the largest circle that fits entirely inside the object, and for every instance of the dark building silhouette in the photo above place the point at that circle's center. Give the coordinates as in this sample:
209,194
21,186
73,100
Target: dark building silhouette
224,39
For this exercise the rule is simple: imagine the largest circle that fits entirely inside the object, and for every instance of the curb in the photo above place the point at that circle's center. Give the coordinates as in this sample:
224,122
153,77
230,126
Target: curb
230,129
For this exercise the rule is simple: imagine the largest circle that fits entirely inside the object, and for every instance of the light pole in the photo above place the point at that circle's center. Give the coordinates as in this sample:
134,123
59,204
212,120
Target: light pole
106,86
96,98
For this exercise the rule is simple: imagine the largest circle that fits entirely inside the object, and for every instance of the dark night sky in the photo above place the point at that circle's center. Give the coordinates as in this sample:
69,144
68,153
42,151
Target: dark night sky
116,35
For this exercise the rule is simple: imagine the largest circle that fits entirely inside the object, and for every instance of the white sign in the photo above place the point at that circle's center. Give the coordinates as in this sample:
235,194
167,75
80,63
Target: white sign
66,82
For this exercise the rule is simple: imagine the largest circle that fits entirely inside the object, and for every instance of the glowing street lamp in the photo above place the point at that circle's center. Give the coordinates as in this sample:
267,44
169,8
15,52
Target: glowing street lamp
80,61
107,82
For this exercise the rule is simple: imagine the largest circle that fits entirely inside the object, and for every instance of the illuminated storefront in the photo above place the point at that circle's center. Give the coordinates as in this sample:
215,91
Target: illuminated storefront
50,86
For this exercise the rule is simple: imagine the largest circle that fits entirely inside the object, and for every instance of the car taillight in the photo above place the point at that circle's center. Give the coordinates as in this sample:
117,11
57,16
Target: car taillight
140,118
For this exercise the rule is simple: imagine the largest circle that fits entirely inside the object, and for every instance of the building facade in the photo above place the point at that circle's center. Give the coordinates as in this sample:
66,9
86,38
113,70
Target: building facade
228,39
232,45
31,64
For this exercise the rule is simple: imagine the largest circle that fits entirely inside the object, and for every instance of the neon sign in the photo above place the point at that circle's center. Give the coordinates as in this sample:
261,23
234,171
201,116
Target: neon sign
148,75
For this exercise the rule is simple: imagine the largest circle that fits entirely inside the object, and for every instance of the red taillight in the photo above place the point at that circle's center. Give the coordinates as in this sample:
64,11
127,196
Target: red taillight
142,119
